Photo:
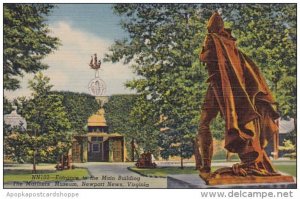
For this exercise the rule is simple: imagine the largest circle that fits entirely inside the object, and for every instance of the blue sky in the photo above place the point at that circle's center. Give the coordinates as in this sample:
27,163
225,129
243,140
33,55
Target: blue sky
98,19
84,29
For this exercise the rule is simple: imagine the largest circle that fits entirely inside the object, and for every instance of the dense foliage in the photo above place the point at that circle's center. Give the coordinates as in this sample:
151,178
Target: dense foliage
47,135
163,44
79,107
163,47
26,41
121,118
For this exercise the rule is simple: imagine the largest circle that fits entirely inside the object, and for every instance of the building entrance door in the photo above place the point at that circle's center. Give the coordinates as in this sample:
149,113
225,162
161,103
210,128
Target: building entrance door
97,150
117,151
76,152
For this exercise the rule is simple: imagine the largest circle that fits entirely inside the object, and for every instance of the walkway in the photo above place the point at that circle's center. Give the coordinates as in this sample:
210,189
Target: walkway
116,175
104,175
111,175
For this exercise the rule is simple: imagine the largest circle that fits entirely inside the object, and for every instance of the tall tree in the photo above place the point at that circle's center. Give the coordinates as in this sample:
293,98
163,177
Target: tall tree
117,114
26,41
122,117
47,133
146,122
164,46
118,119
267,33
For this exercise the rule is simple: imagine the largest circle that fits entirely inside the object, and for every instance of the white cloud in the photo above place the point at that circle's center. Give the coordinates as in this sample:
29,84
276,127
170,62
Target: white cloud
68,66
77,47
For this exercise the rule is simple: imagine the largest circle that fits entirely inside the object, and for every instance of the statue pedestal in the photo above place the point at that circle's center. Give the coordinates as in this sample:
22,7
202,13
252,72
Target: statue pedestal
193,181
102,100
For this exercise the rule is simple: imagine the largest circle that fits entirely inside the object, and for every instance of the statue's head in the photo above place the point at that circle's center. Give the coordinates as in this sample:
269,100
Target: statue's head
215,23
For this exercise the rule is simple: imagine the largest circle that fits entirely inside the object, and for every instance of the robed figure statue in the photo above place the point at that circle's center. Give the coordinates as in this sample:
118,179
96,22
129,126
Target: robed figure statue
240,93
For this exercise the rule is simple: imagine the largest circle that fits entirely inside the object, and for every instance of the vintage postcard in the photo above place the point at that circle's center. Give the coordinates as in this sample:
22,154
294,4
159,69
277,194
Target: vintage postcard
144,96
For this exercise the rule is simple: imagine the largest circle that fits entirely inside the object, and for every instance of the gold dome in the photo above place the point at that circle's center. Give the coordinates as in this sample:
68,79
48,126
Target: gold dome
97,119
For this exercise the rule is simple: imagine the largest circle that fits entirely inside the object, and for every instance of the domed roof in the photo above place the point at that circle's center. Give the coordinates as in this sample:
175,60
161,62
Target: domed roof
97,119
15,120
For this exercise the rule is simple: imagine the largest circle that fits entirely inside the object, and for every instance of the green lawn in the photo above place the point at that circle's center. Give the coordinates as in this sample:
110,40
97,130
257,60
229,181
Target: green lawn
23,175
165,171
289,169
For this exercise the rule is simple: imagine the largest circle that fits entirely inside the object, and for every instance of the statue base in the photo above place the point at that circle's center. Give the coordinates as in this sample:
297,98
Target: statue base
226,175
102,100
220,180
193,181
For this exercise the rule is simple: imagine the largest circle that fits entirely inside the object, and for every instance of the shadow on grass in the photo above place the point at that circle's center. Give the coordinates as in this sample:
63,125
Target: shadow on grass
26,171
163,172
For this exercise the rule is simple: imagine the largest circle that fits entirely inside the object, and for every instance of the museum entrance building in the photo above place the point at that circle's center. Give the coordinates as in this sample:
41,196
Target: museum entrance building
98,145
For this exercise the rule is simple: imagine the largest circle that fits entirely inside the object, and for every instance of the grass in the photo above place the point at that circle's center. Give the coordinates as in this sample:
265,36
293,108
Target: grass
25,175
289,169
165,171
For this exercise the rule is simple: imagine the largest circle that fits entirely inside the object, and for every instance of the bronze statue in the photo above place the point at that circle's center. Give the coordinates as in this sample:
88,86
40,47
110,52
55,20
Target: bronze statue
239,92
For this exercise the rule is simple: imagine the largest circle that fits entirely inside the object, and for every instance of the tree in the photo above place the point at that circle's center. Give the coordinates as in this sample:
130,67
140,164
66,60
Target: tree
289,148
267,33
16,144
173,144
47,133
164,46
146,122
117,114
270,40
26,41
218,127
118,119
122,117
7,106
79,106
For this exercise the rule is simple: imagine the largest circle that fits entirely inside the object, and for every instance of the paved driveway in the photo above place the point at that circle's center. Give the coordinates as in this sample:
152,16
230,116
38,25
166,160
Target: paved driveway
104,175
109,175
